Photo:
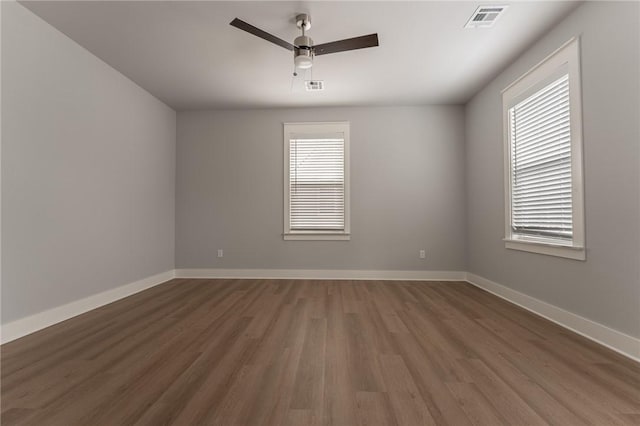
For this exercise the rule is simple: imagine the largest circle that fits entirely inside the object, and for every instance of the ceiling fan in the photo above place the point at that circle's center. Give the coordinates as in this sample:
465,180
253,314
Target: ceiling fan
303,48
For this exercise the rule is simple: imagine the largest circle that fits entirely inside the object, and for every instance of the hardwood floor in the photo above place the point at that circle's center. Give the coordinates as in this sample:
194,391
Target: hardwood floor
284,352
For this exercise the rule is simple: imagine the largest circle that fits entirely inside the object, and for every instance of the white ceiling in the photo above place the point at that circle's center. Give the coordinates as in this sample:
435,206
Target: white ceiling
188,55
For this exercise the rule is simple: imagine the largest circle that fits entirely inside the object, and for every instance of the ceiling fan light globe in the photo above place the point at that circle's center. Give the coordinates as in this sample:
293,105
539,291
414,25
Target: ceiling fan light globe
303,62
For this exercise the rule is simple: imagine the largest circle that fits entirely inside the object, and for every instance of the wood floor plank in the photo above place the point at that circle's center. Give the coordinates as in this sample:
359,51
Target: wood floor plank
408,405
309,385
293,346
363,365
339,393
475,405
374,409
512,408
313,352
436,396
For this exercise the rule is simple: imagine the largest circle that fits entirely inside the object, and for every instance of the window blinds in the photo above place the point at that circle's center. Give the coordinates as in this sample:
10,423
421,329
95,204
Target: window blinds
316,183
541,203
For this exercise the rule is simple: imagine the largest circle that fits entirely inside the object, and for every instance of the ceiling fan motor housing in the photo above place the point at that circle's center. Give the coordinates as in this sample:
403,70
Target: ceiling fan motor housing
303,41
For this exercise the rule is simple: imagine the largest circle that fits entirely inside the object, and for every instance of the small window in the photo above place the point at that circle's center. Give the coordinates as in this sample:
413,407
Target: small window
543,158
316,181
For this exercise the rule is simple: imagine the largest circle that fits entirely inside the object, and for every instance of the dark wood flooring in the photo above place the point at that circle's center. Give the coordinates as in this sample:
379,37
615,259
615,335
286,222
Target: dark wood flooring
285,352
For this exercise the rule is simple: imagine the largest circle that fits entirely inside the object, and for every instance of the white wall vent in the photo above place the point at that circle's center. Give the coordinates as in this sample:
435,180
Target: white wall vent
314,85
485,16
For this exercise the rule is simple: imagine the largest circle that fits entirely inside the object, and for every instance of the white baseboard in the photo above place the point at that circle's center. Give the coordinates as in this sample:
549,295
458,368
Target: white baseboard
33,323
622,343
322,274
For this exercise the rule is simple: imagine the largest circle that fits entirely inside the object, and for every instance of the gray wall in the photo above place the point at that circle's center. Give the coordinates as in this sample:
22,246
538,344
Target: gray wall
605,288
407,190
88,172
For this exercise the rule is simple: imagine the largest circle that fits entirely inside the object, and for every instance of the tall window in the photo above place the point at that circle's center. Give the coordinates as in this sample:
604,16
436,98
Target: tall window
316,184
543,156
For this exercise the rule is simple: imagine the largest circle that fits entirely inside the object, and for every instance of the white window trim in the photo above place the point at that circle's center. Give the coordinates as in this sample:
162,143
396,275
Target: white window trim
318,128
567,55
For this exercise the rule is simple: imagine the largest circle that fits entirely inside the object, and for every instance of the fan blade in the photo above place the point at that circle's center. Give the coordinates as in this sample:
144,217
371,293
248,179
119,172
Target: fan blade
362,42
262,34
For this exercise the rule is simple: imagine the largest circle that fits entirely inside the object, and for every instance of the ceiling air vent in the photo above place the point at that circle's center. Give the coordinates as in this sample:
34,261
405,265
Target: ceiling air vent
314,85
485,16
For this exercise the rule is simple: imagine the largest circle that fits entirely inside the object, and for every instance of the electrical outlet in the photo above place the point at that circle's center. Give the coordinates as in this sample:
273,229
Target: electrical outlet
423,254
220,253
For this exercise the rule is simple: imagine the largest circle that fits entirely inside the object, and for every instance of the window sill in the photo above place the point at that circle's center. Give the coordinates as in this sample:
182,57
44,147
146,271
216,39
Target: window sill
317,236
549,249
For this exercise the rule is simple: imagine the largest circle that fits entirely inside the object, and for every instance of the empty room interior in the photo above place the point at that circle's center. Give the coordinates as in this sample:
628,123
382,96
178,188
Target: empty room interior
320,213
